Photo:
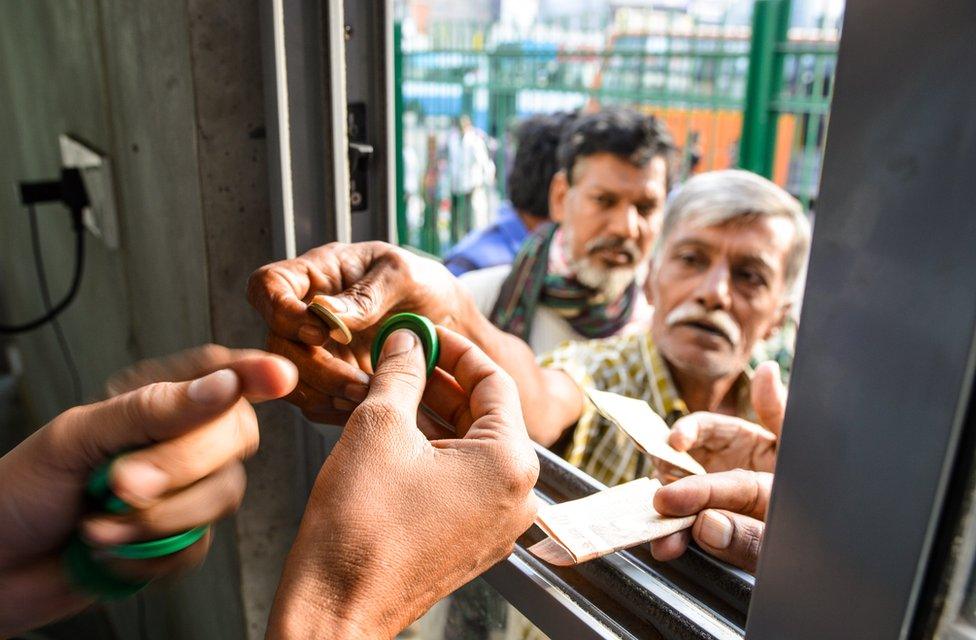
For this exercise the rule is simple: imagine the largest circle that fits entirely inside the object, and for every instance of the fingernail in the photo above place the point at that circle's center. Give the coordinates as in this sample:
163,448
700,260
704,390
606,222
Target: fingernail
105,532
310,334
216,388
356,392
344,405
338,304
400,341
142,479
716,530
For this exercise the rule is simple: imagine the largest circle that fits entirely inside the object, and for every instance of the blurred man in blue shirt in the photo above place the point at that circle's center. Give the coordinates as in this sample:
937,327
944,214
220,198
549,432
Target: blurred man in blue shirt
536,139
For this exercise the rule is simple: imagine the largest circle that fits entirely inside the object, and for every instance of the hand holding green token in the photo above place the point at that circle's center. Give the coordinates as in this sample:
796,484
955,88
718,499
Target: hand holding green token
91,574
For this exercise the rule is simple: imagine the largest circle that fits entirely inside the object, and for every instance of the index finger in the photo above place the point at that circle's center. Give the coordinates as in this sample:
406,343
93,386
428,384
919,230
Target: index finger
745,492
263,376
276,291
712,431
489,392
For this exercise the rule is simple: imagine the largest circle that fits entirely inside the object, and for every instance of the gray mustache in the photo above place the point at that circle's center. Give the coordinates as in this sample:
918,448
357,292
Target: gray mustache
721,320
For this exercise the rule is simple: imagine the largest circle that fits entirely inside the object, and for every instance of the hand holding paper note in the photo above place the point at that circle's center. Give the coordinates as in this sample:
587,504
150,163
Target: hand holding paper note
646,428
608,521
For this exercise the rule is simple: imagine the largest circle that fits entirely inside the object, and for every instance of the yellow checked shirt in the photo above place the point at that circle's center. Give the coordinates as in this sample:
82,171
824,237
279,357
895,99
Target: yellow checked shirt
630,366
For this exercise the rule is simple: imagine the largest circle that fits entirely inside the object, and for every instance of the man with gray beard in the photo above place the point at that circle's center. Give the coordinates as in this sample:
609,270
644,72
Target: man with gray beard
728,256
577,278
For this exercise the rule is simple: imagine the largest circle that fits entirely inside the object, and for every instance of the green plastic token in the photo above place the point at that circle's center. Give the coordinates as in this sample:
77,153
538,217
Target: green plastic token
91,574
158,548
421,326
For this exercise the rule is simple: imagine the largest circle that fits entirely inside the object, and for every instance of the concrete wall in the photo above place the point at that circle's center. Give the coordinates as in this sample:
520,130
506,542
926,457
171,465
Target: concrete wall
172,92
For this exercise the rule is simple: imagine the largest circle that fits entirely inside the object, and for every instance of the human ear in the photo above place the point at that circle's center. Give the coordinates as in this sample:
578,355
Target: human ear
558,188
780,318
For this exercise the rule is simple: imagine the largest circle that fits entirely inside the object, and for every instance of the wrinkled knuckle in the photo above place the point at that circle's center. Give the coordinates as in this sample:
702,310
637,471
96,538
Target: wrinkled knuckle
396,260
246,431
279,316
361,296
255,284
516,472
232,489
400,372
210,353
148,404
752,543
379,413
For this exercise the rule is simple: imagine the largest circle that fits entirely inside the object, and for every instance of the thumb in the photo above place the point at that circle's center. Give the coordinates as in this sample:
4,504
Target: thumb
769,396
370,298
398,382
729,536
160,411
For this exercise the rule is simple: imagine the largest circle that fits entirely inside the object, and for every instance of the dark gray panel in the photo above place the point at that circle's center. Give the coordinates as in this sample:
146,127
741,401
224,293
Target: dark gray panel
884,352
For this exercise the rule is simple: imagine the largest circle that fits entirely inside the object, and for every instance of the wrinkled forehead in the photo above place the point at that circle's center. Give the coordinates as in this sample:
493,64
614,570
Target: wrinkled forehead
616,173
766,237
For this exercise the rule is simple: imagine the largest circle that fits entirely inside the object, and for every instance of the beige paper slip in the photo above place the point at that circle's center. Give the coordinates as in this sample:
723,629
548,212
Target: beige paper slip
647,429
613,519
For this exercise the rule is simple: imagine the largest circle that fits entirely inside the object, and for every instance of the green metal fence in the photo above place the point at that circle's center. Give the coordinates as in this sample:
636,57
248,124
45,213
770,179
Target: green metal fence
733,95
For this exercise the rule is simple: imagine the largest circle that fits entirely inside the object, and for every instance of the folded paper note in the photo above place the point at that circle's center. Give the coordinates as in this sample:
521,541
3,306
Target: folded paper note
613,519
648,431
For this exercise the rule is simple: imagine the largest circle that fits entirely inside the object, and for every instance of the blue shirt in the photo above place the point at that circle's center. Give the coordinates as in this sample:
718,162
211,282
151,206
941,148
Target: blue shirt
489,247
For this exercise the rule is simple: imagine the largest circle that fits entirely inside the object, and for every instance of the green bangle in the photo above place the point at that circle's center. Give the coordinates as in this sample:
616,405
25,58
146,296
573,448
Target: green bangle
421,326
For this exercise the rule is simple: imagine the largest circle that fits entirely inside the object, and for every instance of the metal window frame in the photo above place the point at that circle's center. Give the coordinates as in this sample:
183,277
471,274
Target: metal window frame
305,119
871,442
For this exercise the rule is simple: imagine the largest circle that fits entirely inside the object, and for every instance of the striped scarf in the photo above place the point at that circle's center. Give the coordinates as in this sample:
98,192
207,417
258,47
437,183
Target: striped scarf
530,284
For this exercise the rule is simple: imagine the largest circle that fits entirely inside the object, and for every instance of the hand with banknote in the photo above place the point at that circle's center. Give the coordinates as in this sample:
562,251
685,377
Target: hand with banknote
397,520
723,443
730,512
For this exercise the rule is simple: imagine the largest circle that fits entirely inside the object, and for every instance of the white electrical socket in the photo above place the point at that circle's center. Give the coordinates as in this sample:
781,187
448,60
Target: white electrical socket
96,171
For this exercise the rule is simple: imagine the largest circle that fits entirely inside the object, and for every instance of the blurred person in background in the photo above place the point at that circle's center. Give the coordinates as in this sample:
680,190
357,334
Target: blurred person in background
535,163
472,173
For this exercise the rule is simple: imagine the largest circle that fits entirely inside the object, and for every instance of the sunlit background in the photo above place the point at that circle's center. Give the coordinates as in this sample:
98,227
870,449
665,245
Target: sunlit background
739,84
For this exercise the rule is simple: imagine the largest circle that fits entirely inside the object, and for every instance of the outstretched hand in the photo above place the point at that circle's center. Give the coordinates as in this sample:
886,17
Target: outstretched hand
722,443
731,508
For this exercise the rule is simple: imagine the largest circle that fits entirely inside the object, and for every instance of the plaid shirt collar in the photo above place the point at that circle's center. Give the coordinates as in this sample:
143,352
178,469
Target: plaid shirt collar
669,403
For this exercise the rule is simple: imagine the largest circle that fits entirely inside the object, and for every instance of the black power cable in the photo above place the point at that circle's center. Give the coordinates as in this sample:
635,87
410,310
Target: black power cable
52,312
69,190
69,360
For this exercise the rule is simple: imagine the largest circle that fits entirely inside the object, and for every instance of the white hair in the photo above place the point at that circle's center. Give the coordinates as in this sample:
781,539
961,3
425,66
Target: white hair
717,197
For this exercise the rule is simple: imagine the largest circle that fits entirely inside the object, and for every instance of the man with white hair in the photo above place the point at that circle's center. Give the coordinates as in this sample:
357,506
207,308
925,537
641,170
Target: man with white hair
731,249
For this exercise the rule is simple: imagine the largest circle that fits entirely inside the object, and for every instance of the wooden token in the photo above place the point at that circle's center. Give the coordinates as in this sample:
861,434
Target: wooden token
337,328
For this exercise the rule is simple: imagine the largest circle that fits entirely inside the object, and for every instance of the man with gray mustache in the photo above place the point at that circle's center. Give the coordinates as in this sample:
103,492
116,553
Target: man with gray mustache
578,277
731,249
